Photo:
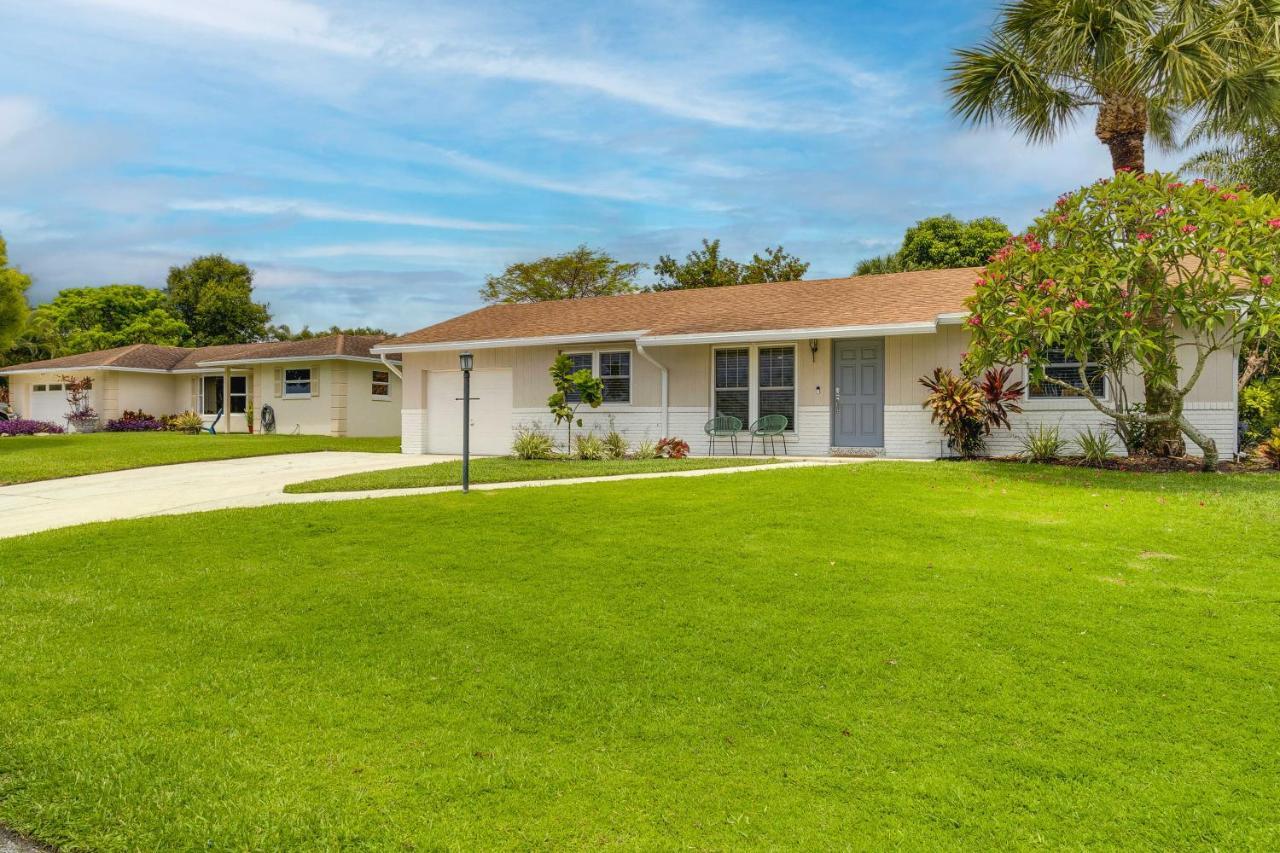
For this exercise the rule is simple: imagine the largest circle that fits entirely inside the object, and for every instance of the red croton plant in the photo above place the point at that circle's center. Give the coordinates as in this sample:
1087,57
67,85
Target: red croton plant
1140,275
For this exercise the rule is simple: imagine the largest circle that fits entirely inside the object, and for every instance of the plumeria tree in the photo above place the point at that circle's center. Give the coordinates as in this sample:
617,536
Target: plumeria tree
1140,274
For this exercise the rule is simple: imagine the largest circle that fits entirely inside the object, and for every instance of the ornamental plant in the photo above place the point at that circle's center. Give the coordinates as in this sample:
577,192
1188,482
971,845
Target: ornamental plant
968,412
671,448
19,426
570,384
1137,274
135,422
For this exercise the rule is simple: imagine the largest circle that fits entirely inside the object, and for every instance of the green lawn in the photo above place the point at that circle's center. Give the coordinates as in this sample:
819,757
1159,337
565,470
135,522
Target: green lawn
24,459
510,470
874,656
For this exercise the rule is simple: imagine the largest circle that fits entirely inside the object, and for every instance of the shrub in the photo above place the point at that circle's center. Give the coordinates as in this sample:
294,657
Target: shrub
1260,407
589,447
26,427
968,412
1268,450
645,450
188,423
1096,447
616,445
1042,444
135,422
533,443
672,448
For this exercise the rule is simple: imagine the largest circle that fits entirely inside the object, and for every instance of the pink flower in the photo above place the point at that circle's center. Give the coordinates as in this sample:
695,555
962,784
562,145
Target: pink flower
964,355
980,282
1125,169
1143,236
975,320
1176,185
1163,211
1229,197
1128,315
1266,280
1045,312
1081,304
1274,223
1220,251
1124,293
1190,229
1046,285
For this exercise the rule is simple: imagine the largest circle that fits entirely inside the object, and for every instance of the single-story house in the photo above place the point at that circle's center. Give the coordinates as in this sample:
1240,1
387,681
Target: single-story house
332,385
841,358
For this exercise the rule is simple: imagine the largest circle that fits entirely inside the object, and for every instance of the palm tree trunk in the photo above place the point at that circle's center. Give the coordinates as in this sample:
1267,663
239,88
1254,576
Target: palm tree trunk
1122,127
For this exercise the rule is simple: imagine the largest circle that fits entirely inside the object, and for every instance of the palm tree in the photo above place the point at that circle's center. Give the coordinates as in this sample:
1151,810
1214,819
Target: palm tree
1148,68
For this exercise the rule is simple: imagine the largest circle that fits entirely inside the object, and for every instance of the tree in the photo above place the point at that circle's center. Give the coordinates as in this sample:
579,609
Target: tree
573,388
574,275
83,319
214,297
1253,159
282,332
707,267
13,299
941,242
1142,65
1115,272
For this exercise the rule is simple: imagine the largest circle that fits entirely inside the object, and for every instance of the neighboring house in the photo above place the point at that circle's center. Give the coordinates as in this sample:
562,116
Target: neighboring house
841,358
330,385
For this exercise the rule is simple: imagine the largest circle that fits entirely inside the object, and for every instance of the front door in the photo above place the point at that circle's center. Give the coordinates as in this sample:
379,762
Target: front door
857,416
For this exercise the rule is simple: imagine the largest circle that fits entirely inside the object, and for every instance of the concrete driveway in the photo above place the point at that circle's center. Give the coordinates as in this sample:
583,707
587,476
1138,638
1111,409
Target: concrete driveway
170,489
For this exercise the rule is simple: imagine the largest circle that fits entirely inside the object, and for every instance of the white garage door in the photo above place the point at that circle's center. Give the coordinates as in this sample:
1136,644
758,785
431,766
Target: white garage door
490,411
49,403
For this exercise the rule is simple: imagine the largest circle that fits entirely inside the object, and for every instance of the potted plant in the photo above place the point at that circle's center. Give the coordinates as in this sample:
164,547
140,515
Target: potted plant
82,417
248,412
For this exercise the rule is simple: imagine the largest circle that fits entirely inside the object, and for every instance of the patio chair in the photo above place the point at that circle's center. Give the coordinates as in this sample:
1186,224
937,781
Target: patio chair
722,426
770,428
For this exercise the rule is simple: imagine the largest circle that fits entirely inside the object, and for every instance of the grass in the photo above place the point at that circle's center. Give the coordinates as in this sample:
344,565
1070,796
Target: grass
25,459
510,470
888,655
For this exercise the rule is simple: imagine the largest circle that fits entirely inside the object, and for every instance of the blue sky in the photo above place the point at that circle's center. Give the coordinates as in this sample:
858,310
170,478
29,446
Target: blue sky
373,161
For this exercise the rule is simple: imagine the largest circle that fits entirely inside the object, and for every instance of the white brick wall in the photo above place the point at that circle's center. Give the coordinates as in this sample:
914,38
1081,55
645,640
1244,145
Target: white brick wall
413,430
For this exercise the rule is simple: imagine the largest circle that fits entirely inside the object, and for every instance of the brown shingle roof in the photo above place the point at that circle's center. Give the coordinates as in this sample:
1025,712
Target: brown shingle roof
871,300
153,357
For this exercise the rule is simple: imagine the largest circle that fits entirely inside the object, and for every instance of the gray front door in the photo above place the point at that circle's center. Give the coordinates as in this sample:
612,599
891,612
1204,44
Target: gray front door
857,382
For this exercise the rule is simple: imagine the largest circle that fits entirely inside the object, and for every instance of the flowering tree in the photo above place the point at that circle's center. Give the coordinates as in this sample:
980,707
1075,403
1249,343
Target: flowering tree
1111,276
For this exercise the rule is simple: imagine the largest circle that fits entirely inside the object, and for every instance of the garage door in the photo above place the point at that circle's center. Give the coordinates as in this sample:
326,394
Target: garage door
49,403
490,411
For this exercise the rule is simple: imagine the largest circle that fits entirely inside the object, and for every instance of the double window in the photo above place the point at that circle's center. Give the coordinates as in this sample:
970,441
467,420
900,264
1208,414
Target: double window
381,386
1066,369
212,398
770,391
613,368
297,382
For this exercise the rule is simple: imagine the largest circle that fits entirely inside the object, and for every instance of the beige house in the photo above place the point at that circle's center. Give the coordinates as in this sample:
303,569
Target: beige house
331,385
840,358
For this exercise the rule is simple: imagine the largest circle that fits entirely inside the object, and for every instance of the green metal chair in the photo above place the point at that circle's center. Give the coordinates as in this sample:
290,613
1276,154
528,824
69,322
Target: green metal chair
769,428
722,426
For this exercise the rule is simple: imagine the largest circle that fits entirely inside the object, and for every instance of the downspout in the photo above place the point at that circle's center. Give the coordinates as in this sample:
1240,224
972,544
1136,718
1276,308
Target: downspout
390,366
666,409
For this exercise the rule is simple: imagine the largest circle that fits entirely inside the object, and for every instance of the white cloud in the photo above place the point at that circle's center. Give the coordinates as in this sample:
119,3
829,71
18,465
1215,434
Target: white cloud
398,250
333,213
18,116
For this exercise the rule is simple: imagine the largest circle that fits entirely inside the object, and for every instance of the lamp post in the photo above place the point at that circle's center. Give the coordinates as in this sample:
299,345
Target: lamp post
466,361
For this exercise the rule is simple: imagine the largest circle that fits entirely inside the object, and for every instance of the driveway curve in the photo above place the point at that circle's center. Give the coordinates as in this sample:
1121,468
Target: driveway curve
171,489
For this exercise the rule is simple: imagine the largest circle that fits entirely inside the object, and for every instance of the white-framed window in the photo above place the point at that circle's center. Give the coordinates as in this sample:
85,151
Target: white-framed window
581,361
615,372
211,396
732,384
297,382
39,387
381,386
1062,367
776,386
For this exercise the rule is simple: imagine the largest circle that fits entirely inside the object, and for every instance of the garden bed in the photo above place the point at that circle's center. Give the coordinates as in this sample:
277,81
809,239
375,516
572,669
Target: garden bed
1149,464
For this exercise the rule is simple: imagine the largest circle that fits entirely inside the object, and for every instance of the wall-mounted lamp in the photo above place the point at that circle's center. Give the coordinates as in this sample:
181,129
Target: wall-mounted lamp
813,349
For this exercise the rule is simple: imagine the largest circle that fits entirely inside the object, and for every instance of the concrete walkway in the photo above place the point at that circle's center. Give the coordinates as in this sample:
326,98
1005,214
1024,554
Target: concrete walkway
171,489
250,482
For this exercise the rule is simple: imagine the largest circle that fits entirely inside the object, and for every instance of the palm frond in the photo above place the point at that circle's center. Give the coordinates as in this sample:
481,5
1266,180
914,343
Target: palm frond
1162,125
998,80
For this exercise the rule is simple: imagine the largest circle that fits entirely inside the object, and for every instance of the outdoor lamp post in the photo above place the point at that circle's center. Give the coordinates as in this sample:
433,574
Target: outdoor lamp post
465,361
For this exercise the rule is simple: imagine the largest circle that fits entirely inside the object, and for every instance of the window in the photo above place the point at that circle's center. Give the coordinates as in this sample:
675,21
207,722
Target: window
732,383
777,383
381,383
581,361
239,394
615,371
38,387
211,398
1065,369
297,382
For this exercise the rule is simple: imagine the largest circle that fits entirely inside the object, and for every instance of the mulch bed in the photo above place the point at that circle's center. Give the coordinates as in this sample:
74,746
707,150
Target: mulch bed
1154,464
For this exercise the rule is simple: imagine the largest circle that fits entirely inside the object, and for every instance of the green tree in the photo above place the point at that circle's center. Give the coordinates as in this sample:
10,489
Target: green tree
941,242
83,319
282,332
1112,273
1253,159
574,275
1143,66
708,267
13,299
214,297
573,388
